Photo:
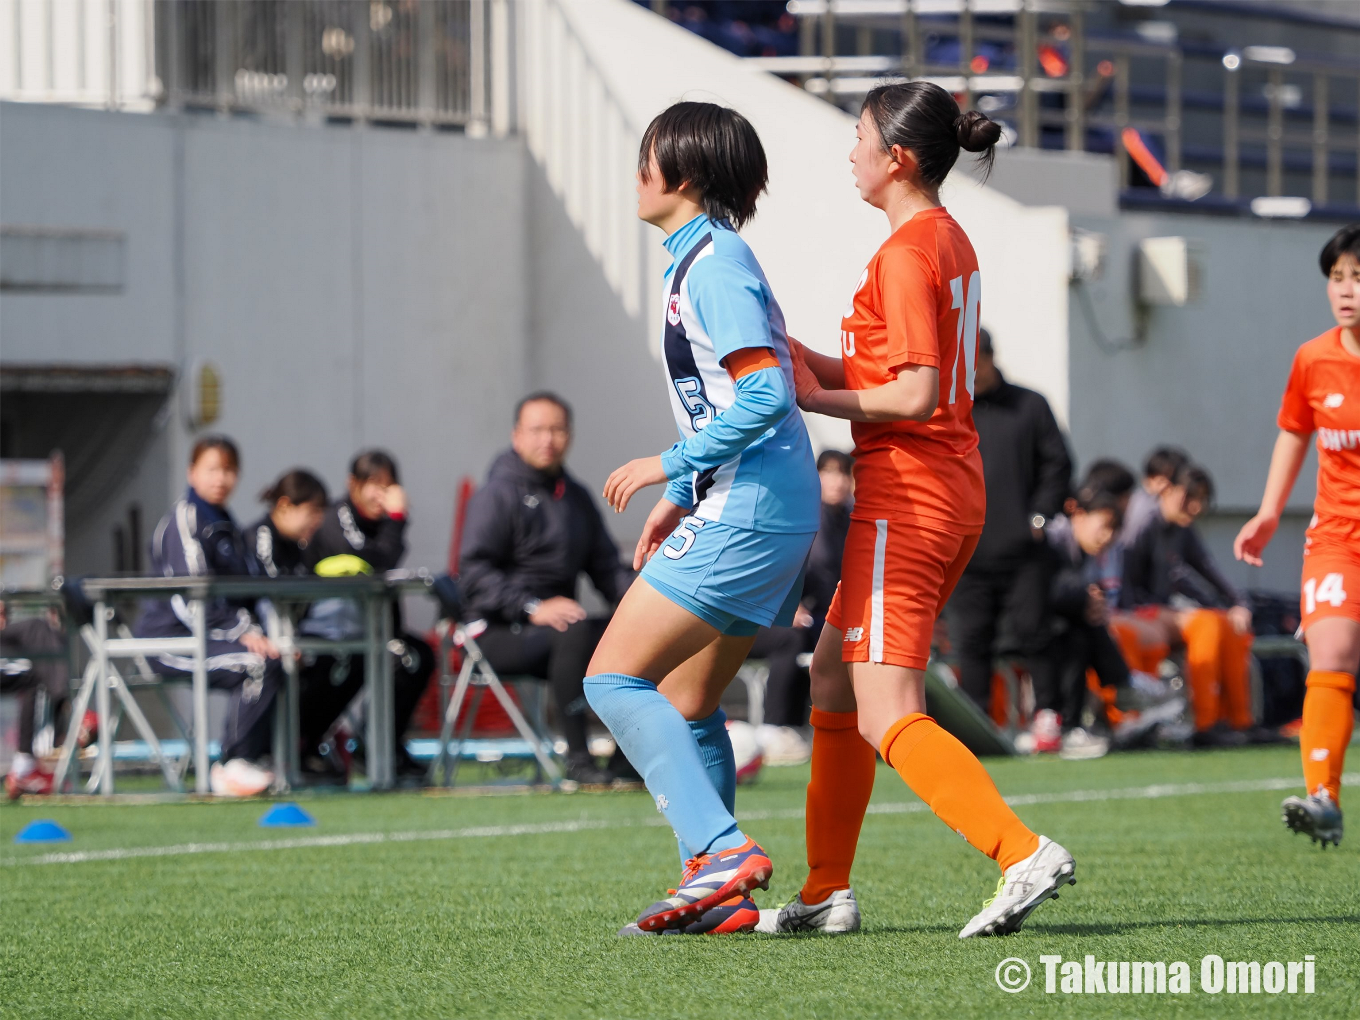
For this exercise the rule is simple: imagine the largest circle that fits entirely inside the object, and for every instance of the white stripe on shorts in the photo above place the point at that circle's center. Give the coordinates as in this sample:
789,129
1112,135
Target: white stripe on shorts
876,600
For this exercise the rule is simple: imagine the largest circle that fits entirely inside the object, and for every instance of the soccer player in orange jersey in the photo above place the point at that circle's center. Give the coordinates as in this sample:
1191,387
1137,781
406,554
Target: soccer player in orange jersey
1323,396
905,379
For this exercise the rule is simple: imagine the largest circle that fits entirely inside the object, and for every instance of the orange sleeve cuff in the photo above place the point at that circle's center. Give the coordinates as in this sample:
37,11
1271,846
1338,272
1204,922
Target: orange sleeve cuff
749,359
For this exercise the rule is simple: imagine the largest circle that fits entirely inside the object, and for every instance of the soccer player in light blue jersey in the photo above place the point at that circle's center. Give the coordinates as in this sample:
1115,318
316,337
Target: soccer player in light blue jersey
723,551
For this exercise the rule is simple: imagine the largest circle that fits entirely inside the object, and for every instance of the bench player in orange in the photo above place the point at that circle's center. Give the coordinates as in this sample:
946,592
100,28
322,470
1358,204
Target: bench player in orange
905,379
1323,396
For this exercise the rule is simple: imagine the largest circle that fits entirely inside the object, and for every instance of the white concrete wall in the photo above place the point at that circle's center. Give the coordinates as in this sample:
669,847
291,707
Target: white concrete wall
356,288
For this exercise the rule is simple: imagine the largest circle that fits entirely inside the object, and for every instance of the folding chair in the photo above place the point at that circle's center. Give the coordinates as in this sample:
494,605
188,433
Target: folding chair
477,675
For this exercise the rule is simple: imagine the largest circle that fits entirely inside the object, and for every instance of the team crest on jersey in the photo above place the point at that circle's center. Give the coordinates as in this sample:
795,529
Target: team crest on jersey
1334,400
673,310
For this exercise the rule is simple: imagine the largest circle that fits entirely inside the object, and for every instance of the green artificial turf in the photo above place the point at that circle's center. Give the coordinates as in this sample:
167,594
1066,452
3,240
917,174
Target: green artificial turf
487,919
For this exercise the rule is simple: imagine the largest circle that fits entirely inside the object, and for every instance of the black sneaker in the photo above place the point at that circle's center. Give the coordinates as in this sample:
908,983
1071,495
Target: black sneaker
581,768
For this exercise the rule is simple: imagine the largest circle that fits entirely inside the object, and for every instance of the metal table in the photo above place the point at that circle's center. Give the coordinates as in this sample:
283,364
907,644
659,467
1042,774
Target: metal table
285,595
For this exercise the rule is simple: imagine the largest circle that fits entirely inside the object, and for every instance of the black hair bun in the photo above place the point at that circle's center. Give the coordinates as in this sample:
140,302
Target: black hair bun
976,132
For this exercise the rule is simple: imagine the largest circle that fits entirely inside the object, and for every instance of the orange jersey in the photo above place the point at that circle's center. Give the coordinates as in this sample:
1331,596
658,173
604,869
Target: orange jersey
917,303
1323,395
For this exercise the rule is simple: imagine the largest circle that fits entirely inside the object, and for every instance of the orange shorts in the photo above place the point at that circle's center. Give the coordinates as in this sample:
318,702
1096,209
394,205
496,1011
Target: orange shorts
1331,571
895,579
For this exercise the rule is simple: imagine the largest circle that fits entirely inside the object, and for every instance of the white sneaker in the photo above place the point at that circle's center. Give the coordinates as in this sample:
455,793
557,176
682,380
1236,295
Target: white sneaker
239,778
838,914
1079,745
1023,887
783,745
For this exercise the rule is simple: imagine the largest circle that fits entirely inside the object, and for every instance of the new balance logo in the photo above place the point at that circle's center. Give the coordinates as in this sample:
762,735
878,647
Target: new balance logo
854,634
661,802
1334,400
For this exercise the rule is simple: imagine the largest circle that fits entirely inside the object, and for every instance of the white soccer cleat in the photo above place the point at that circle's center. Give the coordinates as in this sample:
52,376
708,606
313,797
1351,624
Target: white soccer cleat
239,778
838,914
1023,887
1082,745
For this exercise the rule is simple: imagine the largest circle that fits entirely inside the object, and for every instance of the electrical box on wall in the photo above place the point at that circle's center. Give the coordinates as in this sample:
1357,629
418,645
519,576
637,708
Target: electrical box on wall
1170,270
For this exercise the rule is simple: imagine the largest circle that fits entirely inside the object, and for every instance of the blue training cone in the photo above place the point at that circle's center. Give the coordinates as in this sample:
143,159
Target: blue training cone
42,830
285,816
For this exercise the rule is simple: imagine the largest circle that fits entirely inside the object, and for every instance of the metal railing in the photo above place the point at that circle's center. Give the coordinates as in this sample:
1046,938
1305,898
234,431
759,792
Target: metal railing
422,62
1262,120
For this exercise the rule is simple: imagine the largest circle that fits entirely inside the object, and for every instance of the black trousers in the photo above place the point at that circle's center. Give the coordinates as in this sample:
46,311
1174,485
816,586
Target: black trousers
1061,686
330,682
252,681
560,657
787,700
991,603
34,651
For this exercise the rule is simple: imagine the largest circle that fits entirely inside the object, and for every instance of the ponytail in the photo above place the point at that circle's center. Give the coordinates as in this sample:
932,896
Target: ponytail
922,117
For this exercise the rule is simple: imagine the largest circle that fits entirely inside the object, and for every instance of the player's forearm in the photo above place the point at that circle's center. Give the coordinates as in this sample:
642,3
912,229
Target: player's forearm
912,396
763,400
1290,450
830,372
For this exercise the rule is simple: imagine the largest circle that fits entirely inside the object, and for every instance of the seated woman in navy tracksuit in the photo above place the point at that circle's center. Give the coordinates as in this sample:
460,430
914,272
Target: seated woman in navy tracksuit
198,538
297,507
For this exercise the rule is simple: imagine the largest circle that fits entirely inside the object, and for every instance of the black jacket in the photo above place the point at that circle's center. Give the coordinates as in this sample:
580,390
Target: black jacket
1026,468
528,535
1072,572
824,562
1166,559
277,555
380,543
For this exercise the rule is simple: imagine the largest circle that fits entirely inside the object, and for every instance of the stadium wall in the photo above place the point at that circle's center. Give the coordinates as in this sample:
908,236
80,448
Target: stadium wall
355,287
1209,374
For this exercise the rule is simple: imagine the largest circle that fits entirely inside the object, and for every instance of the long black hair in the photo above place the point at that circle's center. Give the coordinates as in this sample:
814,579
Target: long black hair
713,149
922,117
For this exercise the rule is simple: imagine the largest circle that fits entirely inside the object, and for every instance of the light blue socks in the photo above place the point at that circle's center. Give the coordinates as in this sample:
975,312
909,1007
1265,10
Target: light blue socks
667,751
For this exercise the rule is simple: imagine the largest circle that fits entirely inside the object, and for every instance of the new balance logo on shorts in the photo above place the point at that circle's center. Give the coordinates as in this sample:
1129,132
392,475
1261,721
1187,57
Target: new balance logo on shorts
854,634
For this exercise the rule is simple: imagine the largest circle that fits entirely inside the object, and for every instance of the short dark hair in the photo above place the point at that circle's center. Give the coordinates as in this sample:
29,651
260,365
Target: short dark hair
298,486
1092,499
372,462
842,462
222,444
924,118
544,396
1345,241
715,150
1165,462
1108,475
984,341
1197,483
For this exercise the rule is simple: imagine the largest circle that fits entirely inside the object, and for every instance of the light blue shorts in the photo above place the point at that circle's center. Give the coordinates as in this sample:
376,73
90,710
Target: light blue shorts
732,578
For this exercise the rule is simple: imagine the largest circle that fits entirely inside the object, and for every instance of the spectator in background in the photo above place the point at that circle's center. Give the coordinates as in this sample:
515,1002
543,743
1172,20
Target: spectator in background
1109,475
530,532
297,506
1080,636
1027,472
197,538
786,693
1159,470
32,659
1171,580
363,533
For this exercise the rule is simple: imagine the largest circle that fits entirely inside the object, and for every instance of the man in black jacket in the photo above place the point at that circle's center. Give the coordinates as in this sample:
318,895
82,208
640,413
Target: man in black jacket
1027,471
530,532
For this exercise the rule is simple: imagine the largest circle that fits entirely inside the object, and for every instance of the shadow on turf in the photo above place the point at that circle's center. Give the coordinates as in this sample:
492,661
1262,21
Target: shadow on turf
1116,929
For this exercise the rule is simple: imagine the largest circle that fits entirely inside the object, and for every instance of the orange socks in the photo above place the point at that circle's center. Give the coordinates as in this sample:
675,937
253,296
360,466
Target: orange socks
1327,721
837,797
953,783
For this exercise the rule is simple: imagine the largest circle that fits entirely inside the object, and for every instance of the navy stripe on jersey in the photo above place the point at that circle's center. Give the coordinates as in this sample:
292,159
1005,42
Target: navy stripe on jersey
680,364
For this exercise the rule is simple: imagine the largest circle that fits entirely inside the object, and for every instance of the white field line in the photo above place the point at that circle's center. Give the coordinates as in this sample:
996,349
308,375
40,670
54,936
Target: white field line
1154,792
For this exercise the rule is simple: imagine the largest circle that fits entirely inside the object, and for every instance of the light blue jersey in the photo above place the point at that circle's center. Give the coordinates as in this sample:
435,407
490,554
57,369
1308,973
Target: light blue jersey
719,302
